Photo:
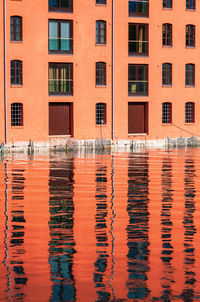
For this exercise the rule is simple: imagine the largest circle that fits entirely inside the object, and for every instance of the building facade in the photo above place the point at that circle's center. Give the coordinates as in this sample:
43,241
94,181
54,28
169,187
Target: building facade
99,69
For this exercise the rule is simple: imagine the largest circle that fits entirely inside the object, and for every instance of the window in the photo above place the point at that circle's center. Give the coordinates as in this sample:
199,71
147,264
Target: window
138,8
100,114
189,112
190,35
60,36
138,39
16,114
167,3
61,5
167,74
100,73
166,113
60,78
16,72
190,4
15,28
100,32
137,79
167,34
189,74
100,1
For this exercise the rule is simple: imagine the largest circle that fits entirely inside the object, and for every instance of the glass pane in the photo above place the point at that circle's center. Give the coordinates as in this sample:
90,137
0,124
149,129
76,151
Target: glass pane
132,7
12,21
132,73
141,73
53,29
12,36
18,32
132,32
53,3
53,35
65,36
18,20
132,87
65,3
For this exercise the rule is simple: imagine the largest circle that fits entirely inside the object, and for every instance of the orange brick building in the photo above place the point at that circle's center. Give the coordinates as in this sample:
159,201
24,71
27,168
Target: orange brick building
99,69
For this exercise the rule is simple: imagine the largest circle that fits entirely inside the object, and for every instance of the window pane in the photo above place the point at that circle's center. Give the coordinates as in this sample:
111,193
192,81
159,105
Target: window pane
16,114
138,80
100,32
53,3
100,114
138,8
53,35
12,32
16,28
166,113
65,36
189,112
53,78
16,72
60,78
59,5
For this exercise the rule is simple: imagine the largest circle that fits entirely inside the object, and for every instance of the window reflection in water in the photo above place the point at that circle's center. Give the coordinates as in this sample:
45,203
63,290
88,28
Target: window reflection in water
101,229
16,249
139,212
61,224
189,230
166,229
137,228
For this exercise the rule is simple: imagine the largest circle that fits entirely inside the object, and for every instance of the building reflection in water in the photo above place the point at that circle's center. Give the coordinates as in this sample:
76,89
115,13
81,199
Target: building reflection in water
138,228
101,229
189,230
16,250
166,228
61,224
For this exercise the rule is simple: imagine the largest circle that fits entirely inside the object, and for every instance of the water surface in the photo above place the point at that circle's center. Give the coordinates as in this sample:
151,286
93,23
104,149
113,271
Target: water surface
104,227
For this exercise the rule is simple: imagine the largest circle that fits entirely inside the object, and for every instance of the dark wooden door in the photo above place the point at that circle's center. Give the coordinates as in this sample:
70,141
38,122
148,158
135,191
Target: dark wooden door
137,118
59,119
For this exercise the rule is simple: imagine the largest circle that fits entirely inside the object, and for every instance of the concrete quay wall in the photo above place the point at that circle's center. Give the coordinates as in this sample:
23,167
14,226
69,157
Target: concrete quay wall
95,145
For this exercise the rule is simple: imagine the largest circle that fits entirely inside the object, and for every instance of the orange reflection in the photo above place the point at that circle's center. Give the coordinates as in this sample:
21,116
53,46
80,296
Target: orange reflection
100,227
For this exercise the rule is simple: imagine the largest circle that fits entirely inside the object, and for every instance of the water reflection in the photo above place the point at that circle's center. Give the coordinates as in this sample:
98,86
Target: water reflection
189,230
100,227
61,245
137,228
166,231
14,261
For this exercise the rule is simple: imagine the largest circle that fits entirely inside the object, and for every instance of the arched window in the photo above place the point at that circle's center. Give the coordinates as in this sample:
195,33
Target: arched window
189,112
167,74
100,114
167,34
166,113
16,114
16,72
16,28
190,35
190,75
100,32
100,73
